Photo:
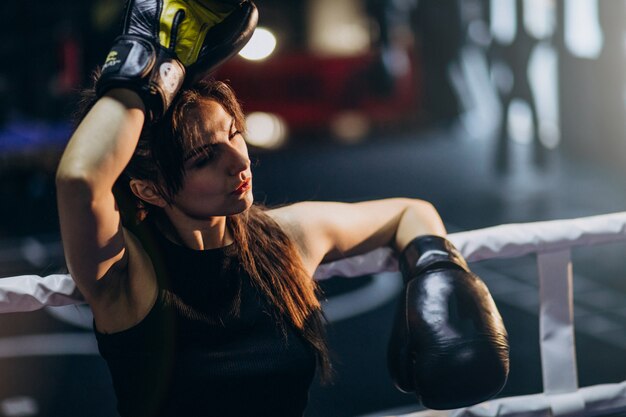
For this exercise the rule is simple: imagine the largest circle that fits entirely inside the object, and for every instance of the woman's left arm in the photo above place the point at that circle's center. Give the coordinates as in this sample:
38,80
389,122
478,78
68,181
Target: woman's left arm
327,231
448,342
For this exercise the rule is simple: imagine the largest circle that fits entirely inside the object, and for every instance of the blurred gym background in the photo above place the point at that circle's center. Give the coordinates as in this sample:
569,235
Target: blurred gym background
497,111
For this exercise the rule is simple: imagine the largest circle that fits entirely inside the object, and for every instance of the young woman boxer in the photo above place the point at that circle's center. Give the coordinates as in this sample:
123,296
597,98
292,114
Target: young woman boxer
203,302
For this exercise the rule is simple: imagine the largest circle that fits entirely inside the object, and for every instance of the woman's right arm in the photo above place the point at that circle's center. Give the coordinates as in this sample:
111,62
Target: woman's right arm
97,153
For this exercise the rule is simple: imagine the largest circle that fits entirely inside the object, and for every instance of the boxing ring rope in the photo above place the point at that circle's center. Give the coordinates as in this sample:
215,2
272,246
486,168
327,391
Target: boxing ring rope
551,241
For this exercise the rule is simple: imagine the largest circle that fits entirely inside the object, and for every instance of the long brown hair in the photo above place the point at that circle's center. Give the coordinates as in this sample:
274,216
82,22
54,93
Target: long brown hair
265,251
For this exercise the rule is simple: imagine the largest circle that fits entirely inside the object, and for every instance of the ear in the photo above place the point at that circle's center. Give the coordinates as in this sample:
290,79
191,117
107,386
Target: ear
146,191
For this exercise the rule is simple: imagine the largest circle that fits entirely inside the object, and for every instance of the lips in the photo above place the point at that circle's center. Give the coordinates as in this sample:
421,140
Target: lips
243,187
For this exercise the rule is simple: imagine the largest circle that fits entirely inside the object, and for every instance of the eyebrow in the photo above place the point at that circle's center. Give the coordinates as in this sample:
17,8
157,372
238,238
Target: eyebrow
207,146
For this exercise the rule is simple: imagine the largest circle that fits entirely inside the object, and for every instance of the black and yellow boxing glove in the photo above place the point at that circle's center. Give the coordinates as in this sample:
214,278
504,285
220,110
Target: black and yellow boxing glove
168,42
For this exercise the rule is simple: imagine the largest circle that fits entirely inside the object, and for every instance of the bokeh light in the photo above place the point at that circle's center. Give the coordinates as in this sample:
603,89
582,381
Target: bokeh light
265,130
260,46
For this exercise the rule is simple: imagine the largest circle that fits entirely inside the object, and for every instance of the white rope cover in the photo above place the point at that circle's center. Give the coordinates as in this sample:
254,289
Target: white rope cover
551,241
32,292
504,241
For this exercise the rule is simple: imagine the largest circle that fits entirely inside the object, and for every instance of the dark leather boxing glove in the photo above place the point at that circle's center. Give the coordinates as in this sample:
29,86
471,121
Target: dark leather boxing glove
448,343
163,39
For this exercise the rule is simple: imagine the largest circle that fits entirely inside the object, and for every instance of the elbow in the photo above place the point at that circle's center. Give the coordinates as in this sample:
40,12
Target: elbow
77,178
418,218
74,189
70,176
419,201
427,207
74,182
425,211
423,207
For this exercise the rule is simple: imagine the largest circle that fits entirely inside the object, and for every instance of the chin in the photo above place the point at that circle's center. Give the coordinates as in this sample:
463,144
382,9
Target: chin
243,204
248,201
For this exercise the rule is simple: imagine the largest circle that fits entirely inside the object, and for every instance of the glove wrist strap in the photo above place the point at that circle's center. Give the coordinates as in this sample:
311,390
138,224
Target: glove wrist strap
154,73
428,252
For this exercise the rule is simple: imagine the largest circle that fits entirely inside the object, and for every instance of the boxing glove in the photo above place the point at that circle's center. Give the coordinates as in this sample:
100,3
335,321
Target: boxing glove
448,343
162,40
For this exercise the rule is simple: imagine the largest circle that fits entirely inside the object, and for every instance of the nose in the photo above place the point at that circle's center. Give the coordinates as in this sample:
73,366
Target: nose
238,162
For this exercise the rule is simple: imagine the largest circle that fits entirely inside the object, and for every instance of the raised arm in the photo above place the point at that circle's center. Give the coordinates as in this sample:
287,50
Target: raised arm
95,156
162,45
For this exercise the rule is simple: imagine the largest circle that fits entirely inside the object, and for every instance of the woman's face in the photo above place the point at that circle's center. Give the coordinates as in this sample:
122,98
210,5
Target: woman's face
218,180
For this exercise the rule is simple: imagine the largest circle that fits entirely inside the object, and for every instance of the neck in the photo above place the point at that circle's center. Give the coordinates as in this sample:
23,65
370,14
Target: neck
199,235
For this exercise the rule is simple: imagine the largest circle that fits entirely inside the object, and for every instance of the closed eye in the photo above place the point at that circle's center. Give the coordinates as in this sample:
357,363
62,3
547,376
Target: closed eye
233,130
202,161
201,157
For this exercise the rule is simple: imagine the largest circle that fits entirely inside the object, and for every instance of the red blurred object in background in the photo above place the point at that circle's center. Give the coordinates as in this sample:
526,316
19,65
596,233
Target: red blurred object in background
310,92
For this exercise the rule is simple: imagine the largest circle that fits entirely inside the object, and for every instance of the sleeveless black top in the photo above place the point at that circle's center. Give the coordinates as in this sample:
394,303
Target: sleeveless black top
200,353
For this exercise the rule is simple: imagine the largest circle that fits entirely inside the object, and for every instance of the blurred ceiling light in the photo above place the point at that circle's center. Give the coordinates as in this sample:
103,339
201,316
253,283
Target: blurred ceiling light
338,28
583,33
260,46
540,18
544,83
503,20
265,130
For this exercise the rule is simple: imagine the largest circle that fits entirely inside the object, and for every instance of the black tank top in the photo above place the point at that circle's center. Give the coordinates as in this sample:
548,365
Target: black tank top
200,353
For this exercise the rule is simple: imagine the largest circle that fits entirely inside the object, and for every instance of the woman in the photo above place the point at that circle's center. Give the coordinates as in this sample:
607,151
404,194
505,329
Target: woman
203,303
196,196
